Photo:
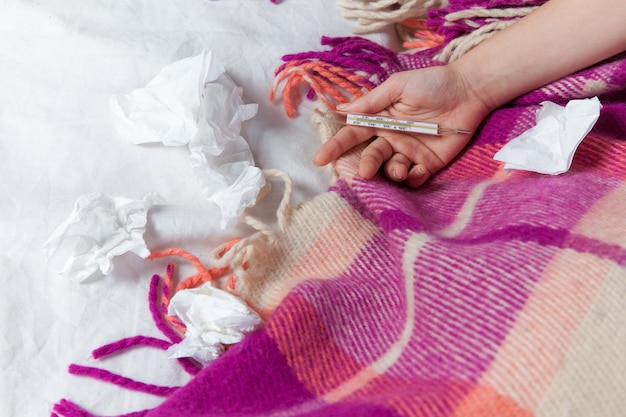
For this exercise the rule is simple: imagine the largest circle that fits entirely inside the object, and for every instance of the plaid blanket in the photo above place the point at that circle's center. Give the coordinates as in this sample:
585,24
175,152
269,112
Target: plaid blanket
483,293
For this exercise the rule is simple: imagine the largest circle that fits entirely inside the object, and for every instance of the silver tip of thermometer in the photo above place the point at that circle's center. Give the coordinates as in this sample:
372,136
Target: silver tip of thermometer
389,123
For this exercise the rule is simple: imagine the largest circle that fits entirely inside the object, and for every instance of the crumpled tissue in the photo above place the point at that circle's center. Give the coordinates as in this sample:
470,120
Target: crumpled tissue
99,228
213,318
194,102
549,146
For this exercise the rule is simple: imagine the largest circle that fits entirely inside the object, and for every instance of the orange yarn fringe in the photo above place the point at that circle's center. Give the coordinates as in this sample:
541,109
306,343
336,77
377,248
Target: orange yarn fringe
333,84
203,275
425,36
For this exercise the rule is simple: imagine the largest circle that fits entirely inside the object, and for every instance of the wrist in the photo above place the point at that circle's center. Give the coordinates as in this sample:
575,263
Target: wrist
481,91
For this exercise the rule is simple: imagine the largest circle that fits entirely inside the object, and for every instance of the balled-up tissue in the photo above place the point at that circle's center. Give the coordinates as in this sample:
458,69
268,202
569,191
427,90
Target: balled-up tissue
98,229
193,102
213,318
549,146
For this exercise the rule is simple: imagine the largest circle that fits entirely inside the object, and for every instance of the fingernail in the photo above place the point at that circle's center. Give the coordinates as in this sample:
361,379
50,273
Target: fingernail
316,161
342,106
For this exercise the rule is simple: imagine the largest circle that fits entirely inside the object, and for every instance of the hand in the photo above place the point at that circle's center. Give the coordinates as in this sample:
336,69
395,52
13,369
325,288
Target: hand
438,95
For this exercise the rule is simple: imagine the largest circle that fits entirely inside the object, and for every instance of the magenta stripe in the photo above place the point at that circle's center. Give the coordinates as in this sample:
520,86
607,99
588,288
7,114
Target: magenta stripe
466,309
603,250
368,296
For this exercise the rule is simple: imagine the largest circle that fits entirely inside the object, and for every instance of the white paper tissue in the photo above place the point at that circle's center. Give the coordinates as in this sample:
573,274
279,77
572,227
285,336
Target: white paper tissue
193,102
549,146
165,110
98,229
213,318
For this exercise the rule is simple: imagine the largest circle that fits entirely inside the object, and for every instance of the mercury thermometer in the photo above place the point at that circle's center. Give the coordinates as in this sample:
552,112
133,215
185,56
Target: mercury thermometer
389,123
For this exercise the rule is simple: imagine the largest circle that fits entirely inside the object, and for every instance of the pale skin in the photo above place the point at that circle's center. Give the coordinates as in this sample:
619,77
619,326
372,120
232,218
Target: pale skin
557,39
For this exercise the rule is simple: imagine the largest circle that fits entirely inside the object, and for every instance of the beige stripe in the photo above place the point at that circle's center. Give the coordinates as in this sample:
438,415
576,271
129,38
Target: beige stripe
591,378
606,220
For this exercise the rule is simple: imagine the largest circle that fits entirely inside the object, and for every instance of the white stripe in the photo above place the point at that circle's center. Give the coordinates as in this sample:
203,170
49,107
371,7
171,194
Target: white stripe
465,214
412,248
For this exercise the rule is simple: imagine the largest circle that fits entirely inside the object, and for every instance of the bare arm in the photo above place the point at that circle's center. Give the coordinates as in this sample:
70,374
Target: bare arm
558,38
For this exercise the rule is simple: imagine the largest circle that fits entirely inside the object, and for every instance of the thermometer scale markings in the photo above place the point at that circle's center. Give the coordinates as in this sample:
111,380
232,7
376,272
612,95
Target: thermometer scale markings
392,124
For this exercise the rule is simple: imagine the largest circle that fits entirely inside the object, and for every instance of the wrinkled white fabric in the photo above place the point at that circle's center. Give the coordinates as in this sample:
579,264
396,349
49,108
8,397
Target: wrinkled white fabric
213,318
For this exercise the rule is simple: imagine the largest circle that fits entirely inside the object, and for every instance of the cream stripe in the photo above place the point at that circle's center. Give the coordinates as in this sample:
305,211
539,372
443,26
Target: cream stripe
591,378
534,348
412,248
465,214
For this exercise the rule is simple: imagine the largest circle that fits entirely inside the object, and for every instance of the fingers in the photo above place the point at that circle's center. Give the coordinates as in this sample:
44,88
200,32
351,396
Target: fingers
374,156
424,160
414,170
397,167
346,138
403,157
417,176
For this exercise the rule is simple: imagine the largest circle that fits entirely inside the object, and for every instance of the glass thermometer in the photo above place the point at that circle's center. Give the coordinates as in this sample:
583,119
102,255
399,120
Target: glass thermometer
389,123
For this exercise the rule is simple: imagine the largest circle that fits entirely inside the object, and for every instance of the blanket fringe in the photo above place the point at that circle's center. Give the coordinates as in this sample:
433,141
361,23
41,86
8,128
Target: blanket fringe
416,35
159,288
233,256
439,31
350,68
373,15
464,29
238,255
67,408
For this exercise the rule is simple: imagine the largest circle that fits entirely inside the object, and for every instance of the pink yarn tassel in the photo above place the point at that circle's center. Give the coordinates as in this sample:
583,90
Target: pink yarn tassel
129,343
104,375
67,408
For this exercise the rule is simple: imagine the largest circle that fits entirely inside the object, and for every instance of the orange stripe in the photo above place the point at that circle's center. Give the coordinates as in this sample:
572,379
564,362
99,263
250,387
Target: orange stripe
309,349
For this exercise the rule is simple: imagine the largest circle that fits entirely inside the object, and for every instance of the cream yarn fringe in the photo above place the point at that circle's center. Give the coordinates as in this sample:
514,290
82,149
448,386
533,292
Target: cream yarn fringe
373,15
497,20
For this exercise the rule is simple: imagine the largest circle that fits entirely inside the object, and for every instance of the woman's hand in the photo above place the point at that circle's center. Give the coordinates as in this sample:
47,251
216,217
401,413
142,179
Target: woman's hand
519,59
438,95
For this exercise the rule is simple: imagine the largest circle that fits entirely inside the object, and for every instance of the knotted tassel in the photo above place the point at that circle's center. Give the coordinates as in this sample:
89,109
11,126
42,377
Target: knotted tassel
349,69
67,408
466,27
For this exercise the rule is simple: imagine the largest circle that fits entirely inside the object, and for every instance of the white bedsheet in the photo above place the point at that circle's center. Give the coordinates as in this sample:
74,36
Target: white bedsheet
60,61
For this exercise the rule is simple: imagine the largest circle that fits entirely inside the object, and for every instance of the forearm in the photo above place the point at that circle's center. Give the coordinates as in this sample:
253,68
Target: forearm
559,38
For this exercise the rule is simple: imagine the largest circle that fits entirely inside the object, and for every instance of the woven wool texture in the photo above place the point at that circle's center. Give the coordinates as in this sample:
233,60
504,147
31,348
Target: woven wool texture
483,293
